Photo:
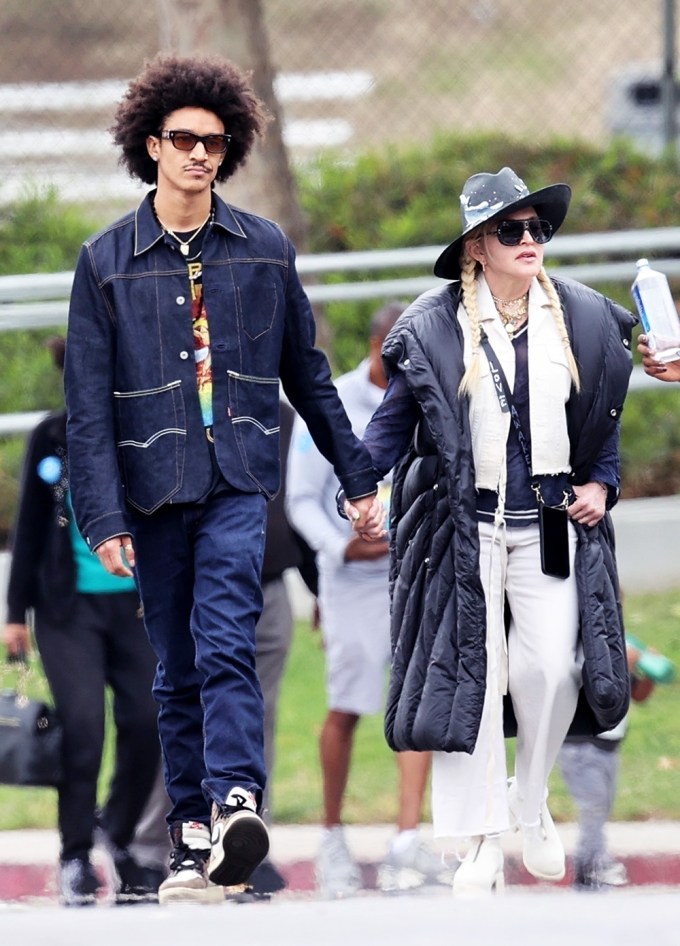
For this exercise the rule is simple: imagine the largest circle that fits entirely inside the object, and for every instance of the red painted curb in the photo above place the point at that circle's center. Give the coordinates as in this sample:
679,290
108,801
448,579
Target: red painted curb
27,881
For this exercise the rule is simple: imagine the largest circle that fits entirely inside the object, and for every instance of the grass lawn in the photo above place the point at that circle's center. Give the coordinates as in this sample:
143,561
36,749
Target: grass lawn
649,785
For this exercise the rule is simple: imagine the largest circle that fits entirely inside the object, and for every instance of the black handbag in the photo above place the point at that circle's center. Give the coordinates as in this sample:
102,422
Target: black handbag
30,741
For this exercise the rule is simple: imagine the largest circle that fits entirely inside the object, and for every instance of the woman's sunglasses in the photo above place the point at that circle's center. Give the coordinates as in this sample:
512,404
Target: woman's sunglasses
510,232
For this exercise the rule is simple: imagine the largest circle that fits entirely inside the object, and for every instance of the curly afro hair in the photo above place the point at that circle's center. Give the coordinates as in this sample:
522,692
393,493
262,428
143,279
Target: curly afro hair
168,83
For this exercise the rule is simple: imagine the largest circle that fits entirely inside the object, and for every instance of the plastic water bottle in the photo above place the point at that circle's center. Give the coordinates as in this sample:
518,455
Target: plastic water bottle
657,311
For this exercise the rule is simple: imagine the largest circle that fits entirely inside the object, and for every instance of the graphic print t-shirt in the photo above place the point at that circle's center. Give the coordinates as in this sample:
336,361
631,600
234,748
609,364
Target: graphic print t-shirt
199,321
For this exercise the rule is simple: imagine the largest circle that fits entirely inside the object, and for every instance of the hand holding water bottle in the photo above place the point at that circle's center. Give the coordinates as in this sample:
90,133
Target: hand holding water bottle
660,343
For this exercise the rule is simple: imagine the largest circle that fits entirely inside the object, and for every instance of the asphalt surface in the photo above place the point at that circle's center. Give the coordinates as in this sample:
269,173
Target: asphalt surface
620,918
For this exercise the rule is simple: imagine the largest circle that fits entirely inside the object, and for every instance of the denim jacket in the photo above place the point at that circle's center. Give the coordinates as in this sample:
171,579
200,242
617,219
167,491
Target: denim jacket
135,430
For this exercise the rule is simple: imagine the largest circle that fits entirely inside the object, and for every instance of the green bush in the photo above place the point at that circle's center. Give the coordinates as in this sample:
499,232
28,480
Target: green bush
38,234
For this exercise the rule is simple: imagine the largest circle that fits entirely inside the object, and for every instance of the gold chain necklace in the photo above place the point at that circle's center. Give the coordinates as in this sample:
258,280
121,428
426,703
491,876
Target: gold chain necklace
513,312
185,244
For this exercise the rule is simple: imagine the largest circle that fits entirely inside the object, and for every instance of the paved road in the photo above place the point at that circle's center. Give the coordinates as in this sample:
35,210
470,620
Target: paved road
525,919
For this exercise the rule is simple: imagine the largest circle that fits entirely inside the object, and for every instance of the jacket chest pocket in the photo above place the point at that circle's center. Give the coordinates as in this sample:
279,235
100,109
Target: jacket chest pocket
259,298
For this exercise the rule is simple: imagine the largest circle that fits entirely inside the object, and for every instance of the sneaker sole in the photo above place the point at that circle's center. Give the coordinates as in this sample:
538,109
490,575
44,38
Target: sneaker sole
210,894
244,844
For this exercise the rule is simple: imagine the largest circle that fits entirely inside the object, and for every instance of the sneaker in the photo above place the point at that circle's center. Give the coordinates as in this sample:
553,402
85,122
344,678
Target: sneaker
129,881
413,867
613,874
78,882
188,880
239,839
337,875
135,883
599,875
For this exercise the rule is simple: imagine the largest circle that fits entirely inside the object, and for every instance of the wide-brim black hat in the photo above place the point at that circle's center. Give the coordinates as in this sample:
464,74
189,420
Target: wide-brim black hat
488,196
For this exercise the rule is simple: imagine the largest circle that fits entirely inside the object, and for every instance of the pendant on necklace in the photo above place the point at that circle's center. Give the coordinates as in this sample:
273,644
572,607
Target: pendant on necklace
184,249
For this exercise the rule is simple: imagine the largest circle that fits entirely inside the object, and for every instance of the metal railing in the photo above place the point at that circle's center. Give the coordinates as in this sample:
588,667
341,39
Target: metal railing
41,300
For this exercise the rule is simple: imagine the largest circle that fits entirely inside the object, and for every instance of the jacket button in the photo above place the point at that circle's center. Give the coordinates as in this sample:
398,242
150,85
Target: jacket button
626,343
406,362
180,300
613,412
436,486
184,355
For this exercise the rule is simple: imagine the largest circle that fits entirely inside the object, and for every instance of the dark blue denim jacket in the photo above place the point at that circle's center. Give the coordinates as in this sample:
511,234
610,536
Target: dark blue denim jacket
135,431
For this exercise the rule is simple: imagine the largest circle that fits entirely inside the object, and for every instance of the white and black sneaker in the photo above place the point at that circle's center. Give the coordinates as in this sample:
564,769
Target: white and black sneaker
78,882
188,880
239,839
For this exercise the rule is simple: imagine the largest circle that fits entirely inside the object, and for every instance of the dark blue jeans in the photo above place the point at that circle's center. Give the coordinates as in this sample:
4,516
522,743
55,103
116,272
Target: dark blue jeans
198,568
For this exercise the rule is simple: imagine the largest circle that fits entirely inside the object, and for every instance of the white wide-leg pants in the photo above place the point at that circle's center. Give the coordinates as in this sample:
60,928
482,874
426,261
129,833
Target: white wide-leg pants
540,666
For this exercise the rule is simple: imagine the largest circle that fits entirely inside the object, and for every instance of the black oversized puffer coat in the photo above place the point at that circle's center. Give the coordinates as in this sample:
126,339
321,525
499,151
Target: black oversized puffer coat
438,672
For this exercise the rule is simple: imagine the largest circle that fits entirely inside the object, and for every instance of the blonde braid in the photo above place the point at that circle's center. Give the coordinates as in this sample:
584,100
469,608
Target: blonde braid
556,306
468,273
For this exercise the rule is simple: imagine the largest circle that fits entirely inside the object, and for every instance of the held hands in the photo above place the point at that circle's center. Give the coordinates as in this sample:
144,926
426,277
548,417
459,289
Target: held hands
367,516
590,504
664,371
357,550
117,555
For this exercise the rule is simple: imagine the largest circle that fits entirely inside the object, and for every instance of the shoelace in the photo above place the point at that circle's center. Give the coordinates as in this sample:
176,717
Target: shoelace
188,857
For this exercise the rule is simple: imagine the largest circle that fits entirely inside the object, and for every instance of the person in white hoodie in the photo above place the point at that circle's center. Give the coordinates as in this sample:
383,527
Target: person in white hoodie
354,611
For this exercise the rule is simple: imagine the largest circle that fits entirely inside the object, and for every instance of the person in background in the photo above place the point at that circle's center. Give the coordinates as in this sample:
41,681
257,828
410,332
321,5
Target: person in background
284,549
590,768
501,421
354,614
185,317
90,636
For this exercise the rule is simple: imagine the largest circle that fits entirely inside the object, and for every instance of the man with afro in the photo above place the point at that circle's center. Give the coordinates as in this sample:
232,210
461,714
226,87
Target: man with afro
185,316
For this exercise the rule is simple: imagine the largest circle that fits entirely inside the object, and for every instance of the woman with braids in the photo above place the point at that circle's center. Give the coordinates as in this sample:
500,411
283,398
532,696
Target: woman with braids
185,316
502,417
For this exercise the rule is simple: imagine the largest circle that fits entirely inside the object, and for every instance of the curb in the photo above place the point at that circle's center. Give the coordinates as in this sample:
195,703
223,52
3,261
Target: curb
650,852
31,882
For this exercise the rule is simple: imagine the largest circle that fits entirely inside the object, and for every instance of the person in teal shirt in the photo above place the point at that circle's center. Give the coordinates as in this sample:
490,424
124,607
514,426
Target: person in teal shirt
90,635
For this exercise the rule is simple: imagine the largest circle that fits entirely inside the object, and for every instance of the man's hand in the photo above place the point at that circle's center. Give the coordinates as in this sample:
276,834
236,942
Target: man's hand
367,516
116,555
664,371
590,504
17,639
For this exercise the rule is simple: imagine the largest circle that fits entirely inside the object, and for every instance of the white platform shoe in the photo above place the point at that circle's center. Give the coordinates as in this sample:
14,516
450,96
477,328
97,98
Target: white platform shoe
542,849
481,871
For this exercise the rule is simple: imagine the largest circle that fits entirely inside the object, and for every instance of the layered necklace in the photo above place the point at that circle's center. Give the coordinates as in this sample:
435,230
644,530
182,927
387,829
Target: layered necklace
513,312
184,245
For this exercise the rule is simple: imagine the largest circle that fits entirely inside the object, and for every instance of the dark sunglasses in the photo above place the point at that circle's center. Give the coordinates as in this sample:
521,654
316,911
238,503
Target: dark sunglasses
187,141
510,232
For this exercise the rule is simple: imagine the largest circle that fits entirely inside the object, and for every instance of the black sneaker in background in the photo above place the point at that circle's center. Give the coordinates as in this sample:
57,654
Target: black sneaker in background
78,882
266,879
136,884
238,840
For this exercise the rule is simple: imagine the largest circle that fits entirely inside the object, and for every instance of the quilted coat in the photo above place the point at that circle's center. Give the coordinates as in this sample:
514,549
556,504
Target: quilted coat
438,672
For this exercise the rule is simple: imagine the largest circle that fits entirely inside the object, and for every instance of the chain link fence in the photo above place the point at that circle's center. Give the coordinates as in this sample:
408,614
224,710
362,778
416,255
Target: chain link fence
350,76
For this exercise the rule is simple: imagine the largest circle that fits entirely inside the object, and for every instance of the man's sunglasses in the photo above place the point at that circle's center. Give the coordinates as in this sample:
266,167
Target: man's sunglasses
510,232
187,141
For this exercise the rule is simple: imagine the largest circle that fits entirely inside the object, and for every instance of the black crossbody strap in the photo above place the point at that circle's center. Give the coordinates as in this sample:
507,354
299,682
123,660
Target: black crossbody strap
502,389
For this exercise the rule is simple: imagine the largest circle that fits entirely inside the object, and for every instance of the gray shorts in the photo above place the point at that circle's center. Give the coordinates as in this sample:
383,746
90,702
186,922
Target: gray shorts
355,620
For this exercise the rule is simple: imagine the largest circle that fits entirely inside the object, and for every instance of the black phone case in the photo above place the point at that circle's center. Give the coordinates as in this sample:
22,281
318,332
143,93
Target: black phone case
554,529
